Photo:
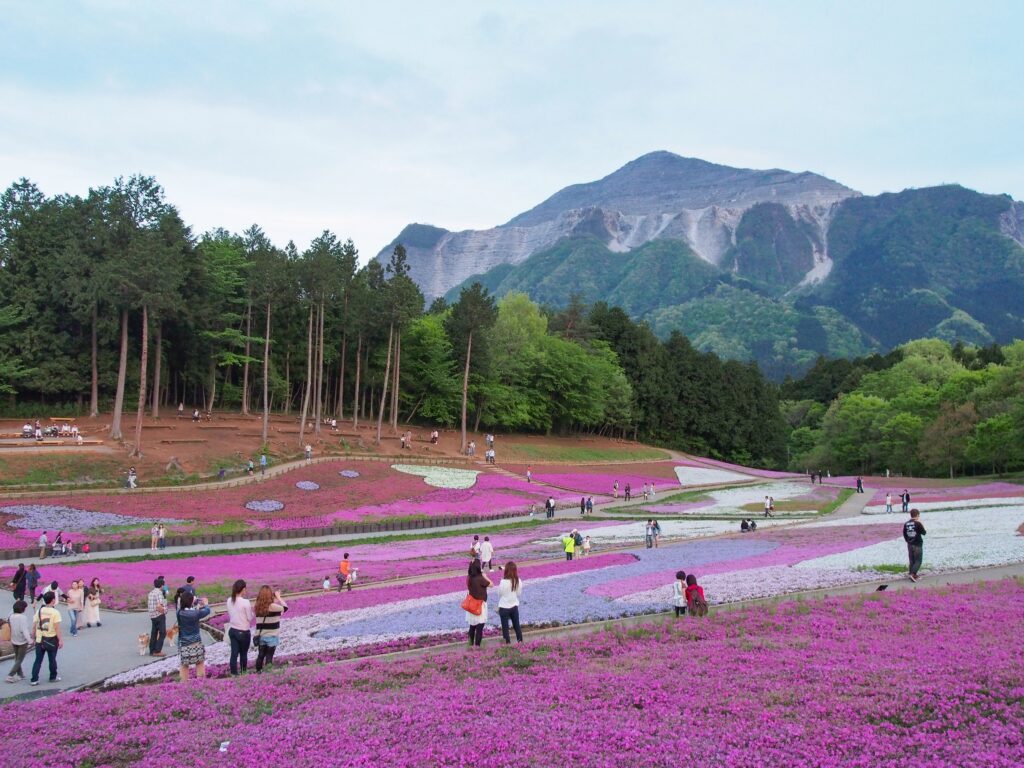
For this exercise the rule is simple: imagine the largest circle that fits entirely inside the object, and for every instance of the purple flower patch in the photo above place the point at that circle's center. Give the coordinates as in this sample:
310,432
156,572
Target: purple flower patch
350,473
264,505
307,485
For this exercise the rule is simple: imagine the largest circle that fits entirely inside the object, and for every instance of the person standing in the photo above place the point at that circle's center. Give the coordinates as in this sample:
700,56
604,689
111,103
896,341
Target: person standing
93,598
48,640
161,536
43,542
583,505
32,582
263,463
477,585
181,410
590,505
905,498
21,639
569,544
628,492
486,554
913,534
510,590
76,605
191,652
345,573
309,451
656,532
529,475
652,491
679,592
156,605
649,534
615,489
269,607
20,582
549,505
586,546
696,603
240,618
154,535
888,501
860,484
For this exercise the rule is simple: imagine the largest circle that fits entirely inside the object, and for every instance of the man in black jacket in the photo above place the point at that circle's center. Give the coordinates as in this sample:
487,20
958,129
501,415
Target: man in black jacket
913,534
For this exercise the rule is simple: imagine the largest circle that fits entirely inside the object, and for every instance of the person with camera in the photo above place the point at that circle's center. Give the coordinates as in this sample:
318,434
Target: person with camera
269,607
156,605
191,651
48,639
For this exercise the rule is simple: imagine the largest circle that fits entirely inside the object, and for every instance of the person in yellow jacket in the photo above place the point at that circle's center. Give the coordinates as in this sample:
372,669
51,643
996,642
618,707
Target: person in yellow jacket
569,543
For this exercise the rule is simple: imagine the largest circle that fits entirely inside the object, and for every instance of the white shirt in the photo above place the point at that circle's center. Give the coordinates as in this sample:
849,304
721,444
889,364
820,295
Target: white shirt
507,598
240,615
486,551
20,629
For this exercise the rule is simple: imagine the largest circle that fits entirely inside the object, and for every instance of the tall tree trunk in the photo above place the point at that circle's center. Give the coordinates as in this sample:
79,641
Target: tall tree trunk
94,396
266,376
245,365
213,387
384,389
288,383
465,388
122,373
340,411
309,380
355,394
318,413
144,359
158,343
394,383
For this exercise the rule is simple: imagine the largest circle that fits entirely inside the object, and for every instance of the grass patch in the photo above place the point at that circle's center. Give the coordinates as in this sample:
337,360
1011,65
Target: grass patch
60,469
328,543
520,452
883,568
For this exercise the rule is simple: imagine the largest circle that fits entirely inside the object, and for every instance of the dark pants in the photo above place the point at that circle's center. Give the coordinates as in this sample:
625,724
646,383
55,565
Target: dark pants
906,507
476,634
239,649
20,652
680,610
264,655
157,633
568,555
506,615
46,648
916,553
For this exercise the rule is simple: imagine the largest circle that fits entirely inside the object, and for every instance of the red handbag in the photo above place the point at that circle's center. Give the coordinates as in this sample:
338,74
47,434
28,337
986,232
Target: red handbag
473,605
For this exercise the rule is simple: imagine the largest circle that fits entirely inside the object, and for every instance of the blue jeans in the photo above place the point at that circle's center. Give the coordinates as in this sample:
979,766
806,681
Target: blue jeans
73,617
48,648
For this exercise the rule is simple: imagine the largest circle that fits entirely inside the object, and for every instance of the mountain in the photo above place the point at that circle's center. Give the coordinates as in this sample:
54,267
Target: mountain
772,266
660,196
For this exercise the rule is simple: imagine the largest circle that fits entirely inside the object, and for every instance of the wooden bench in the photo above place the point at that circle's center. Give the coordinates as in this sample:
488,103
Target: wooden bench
184,440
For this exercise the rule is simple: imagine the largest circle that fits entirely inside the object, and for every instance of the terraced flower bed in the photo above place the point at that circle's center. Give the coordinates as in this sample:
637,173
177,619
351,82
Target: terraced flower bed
915,678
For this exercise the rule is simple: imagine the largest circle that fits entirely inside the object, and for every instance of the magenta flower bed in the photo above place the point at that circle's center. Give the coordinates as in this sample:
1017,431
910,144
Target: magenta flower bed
951,493
920,679
770,474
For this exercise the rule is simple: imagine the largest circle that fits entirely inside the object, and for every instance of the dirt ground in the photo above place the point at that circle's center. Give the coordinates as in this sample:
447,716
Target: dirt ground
230,439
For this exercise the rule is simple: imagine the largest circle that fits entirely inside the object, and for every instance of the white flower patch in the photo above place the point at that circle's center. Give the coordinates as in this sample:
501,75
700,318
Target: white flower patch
349,473
307,485
617,535
754,583
930,506
706,476
264,505
440,477
729,501
954,540
52,517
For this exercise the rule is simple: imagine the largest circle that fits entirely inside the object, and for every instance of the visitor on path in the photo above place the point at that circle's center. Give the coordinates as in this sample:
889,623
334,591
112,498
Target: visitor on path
181,410
913,534
32,576
188,589
477,585
628,492
679,593
549,506
345,573
58,593
93,599
860,484
309,450
133,479
649,534
263,463
695,600
195,415
656,533
486,554
191,651
771,506
408,442
43,541
767,507
577,538
327,583
19,582
529,475
474,548
156,604
647,493
583,505
905,498
744,526
76,605
433,437
334,425
586,546
471,449
753,525
269,607
240,618
590,505
161,536
21,639
652,491
615,489
569,544
888,501
510,590
250,468
46,627
154,536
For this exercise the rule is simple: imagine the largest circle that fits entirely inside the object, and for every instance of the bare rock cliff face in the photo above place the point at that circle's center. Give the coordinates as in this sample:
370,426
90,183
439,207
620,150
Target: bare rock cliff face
657,196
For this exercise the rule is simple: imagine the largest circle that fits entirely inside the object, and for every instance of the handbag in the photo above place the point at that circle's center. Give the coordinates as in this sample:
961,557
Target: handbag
473,605
5,632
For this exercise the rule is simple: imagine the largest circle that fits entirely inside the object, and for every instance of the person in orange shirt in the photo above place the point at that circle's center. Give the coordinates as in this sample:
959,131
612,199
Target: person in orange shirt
345,573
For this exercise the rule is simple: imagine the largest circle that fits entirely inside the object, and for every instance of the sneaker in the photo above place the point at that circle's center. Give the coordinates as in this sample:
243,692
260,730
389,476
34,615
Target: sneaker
11,679
55,679
158,653
34,682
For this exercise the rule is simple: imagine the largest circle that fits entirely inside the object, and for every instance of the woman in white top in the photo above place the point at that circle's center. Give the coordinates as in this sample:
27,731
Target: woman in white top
510,589
240,618
679,593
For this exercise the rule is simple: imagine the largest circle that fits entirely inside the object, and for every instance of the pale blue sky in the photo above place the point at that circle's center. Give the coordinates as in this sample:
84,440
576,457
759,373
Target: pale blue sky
462,115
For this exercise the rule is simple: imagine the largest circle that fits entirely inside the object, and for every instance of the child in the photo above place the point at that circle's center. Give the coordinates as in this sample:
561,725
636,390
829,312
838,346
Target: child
85,549
586,546
327,583
695,601
679,593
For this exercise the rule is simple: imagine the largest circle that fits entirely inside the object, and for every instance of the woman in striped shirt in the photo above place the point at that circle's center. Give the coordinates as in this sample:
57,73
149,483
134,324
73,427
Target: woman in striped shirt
269,607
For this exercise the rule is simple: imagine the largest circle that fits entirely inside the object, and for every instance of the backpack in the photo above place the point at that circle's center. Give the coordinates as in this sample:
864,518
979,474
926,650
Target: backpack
578,540
700,606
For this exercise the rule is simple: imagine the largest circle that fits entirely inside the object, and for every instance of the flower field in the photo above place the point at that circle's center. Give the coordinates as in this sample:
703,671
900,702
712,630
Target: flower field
920,678
600,479
316,496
